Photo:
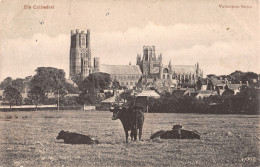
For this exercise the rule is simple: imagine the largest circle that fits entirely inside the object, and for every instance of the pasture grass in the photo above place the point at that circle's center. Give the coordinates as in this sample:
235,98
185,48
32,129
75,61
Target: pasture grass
29,139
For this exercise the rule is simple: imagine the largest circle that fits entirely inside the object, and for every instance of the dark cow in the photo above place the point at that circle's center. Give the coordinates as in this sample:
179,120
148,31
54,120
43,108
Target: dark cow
176,133
132,120
75,138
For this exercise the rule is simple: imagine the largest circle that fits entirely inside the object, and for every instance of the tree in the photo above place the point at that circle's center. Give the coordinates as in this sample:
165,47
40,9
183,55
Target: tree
115,84
70,88
7,81
12,95
19,84
36,96
238,76
91,86
49,79
108,94
126,97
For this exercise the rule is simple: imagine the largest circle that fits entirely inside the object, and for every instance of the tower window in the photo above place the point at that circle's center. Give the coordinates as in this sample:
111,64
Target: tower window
83,43
165,70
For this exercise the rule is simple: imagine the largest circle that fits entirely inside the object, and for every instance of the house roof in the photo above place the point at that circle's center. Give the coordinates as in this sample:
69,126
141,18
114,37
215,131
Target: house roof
203,81
110,100
217,82
189,91
121,69
148,93
178,93
206,92
234,86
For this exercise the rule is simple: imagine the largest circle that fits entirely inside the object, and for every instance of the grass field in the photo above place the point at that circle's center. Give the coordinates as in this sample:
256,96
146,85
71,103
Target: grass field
29,139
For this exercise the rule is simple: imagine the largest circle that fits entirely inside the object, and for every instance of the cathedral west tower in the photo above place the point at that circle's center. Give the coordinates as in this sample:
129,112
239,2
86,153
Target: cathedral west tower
80,55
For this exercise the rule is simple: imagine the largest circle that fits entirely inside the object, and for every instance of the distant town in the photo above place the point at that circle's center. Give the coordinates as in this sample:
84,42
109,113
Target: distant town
149,83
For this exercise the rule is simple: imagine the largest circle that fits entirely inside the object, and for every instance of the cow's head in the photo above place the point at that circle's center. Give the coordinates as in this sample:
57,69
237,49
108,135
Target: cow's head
116,112
61,135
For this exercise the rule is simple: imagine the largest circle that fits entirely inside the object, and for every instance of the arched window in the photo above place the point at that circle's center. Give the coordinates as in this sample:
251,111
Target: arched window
165,70
122,83
168,77
163,76
126,83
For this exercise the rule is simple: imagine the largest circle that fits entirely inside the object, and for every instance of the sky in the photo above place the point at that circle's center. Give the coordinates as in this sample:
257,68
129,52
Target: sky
217,34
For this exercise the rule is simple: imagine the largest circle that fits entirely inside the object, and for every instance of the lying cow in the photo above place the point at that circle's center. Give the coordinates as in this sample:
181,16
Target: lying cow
75,138
132,120
176,133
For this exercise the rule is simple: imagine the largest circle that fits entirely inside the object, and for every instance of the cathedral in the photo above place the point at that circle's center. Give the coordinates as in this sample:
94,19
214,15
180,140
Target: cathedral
152,68
149,67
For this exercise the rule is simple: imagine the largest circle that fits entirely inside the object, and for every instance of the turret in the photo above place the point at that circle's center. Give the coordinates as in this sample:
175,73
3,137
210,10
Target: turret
150,53
160,69
160,57
170,64
138,59
77,38
153,53
145,53
88,38
96,64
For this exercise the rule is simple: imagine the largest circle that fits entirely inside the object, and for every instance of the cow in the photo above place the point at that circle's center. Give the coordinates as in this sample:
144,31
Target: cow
132,120
75,138
176,133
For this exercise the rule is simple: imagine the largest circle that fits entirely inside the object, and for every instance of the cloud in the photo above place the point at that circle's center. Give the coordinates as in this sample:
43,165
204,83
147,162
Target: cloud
20,57
218,50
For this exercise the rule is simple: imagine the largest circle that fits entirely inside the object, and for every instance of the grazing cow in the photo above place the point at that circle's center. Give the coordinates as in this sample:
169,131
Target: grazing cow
176,133
132,120
75,138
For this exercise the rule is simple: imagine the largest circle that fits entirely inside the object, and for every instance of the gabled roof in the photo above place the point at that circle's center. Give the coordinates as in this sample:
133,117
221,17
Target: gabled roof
178,93
121,69
217,82
206,92
148,93
110,100
203,81
234,86
189,91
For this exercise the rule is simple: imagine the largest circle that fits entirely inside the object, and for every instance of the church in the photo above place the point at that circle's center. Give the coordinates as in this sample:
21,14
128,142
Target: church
149,67
152,68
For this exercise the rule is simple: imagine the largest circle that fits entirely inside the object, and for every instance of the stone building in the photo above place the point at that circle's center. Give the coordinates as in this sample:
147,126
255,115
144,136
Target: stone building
148,67
80,55
152,68
126,75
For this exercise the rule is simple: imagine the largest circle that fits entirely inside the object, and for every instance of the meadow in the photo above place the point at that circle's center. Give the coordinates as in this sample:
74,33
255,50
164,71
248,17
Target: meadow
29,139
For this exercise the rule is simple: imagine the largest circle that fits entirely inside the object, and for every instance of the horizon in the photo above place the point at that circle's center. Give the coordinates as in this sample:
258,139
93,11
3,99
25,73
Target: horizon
222,40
